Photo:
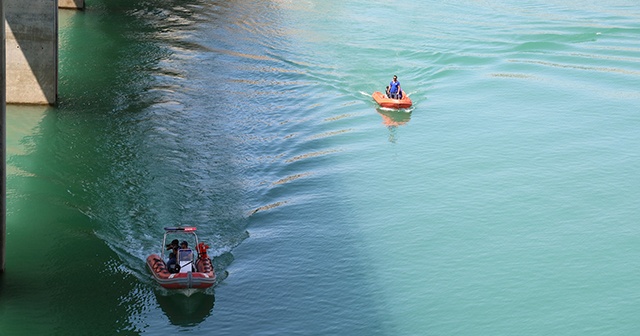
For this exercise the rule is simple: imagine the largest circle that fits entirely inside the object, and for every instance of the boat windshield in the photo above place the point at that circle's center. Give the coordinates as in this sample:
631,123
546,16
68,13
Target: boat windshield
185,255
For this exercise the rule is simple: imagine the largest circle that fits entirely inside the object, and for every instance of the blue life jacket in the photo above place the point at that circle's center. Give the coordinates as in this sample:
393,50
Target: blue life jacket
393,86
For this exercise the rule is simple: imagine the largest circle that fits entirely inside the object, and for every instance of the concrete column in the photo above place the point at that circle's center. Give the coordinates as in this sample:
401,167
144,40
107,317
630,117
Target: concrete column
31,51
3,143
71,4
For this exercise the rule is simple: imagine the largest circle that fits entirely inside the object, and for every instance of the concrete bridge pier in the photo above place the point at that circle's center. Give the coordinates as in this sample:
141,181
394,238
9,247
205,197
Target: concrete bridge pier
31,32
71,4
3,139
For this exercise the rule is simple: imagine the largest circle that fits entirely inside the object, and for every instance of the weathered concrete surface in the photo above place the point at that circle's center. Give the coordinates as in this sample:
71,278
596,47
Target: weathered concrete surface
31,51
71,4
3,143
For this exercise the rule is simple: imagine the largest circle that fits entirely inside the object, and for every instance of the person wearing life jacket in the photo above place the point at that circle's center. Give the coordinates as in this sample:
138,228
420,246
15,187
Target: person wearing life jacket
173,256
395,91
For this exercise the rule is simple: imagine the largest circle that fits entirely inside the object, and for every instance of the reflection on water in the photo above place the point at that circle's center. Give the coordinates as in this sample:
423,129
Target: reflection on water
392,119
184,310
24,120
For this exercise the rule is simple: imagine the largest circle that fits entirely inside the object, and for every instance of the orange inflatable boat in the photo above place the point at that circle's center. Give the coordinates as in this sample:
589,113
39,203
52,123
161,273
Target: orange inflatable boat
387,102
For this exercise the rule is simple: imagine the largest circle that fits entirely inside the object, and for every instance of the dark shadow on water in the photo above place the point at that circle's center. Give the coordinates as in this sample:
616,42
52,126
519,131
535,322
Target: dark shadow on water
186,311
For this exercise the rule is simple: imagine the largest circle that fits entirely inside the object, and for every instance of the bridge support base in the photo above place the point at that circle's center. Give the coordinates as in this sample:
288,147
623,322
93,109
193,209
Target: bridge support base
3,139
71,4
31,33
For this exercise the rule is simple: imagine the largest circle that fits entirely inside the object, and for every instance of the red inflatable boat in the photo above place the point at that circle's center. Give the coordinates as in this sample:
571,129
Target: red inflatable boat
387,102
185,269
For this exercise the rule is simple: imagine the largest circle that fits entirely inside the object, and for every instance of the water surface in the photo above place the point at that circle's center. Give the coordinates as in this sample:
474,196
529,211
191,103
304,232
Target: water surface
502,204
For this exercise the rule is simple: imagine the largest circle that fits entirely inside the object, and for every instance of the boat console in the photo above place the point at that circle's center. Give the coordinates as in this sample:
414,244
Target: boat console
185,260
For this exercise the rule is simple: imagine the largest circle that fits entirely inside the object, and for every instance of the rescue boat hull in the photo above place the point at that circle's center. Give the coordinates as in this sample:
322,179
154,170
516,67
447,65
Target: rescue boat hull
203,277
387,102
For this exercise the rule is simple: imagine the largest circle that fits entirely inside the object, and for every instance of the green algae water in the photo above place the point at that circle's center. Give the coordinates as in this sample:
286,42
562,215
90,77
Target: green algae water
504,203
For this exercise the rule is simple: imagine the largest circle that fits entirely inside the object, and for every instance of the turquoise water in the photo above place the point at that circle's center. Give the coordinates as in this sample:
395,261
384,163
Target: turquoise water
504,203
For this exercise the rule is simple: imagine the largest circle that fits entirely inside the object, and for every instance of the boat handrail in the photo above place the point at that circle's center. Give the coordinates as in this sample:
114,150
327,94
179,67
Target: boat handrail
180,228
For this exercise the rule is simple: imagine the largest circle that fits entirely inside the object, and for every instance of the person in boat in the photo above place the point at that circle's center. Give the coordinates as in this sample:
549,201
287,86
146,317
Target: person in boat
173,246
184,245
395,91
173,260
172,264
